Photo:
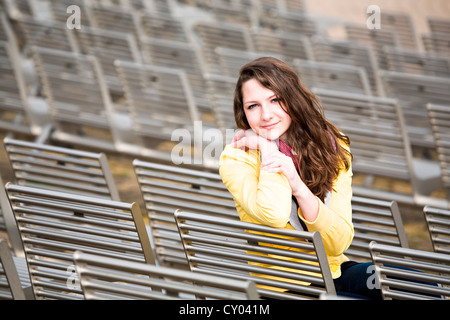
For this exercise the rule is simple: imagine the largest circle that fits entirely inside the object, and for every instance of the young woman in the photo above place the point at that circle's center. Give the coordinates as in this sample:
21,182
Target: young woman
289,167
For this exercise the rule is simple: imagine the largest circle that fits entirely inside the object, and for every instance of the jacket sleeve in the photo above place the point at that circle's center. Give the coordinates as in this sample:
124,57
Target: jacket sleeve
334,223
265,196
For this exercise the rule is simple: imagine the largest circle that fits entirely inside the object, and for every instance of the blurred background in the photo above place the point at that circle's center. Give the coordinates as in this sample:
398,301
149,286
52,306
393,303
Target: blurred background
136,71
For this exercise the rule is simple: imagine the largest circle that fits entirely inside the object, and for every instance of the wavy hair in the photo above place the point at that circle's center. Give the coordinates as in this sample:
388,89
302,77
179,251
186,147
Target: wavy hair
309,133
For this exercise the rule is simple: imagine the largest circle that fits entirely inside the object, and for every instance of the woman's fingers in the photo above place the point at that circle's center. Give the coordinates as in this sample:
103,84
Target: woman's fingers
239,134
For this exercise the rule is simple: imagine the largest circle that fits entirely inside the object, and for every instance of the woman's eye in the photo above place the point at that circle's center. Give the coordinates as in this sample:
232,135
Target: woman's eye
252,106
275,100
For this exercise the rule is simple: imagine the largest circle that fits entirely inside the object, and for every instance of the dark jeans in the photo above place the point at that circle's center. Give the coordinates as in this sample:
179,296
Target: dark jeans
354,281
357,280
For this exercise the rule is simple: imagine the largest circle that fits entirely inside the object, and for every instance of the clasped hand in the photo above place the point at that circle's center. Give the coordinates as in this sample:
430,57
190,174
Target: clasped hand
272,159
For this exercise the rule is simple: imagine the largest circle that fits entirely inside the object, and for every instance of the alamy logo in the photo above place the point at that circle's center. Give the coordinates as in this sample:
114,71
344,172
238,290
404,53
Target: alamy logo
74,20
372,281
374,20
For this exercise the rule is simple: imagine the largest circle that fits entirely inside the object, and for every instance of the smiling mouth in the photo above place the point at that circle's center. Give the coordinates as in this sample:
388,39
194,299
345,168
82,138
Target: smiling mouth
269,126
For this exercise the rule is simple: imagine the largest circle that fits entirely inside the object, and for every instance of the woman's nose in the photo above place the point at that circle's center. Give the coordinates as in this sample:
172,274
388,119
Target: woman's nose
266,113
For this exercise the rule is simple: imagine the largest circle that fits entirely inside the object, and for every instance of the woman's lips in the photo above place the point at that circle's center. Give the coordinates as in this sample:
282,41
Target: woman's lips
269,126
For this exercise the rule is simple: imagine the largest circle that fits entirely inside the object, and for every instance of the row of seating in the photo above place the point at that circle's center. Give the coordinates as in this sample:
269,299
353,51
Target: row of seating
110,85
193,225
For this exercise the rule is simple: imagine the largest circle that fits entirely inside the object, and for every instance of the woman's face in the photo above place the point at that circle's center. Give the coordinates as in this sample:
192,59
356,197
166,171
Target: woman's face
265,115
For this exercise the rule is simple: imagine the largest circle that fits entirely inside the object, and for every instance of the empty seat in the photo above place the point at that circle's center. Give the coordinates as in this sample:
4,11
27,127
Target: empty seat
61,169
427,276
438,225
10,286
116,279
439,116
333,76
53,225
380,146
375,220
166,188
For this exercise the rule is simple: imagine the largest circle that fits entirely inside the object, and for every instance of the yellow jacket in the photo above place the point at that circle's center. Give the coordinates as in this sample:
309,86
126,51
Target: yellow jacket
265,198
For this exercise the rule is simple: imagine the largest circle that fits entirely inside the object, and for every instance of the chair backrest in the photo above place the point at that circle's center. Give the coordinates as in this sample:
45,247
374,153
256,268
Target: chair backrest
210,35
439,116
413,92
114,18
47,34
220,89
333,76
108,46
10,286
160,100
437,42
427,275
438,25
403,26
349,53
13,99
376,131
166,188
267,6
285,44
77,95
438,224
231,60
53,225
116,279
241,12
380,144
375,220
284,264
289,21
181,55
415,62
61,169
376,39
159,25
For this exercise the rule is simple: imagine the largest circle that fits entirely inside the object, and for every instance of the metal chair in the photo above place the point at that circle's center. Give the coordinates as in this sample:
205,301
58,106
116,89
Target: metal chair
285,44
160,25
61,169
438,43
109,46
403,26
81,110
116,279
10,286
438,25
209,35
414,92
180,55
380,146
161,105
427,276
333,76
438,225
166,188
220,90
53,225
284,264
375,220
349,53
376,39
414,62
15,108
439,116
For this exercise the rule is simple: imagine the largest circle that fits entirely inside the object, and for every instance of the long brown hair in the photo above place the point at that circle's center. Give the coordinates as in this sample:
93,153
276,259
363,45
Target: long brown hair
309,133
